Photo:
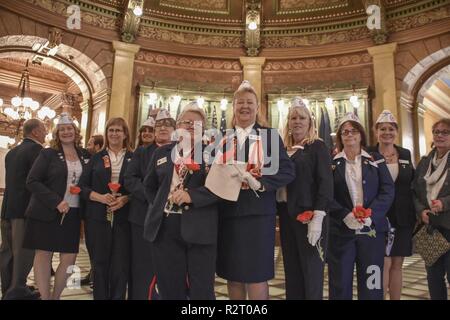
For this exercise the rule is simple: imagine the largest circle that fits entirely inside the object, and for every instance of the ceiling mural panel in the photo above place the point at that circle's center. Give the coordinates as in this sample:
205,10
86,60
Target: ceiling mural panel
190,38
308,4
213,6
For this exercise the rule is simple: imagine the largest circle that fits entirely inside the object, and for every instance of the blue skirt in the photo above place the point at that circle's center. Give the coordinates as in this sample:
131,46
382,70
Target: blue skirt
402,246
246,248
53,236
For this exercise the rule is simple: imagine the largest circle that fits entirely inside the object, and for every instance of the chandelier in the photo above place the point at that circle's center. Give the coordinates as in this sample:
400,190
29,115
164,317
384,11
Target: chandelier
22,106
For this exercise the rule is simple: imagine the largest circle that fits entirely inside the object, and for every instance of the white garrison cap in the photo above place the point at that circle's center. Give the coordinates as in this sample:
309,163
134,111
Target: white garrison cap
163,114
64,118
193,107
246,85
298,103
150,122
386,116
349,116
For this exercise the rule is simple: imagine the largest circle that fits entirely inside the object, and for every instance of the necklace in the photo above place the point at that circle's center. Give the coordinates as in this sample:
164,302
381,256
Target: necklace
390,157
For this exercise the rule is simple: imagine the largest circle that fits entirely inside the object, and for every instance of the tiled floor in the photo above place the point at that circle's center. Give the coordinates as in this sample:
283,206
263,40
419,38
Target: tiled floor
414,280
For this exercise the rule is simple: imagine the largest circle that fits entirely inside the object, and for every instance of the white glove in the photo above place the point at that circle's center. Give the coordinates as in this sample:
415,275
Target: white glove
251,180
368,222
315,227
352,222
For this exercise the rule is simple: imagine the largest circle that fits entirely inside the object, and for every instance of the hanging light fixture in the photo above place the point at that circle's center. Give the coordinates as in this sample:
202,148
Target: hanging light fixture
280,104
354,98
22,106
224,104
200,101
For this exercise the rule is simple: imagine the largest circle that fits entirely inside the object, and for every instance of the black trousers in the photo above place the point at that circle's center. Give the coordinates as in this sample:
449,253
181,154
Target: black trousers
437,284
142,270
303,266
111,258
15,261
182,269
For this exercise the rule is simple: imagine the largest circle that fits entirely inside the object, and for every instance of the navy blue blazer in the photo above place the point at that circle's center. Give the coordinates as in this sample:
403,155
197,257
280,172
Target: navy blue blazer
312,188
96,178
18,163
199,221
47,182
247,203
378,193
134,183
402,212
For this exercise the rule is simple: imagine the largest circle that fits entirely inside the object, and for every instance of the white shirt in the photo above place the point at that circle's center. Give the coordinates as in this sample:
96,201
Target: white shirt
74,170
353,176
116,163
393,170
243,133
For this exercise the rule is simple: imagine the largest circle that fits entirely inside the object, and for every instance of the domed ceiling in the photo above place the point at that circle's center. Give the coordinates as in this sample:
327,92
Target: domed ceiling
219,26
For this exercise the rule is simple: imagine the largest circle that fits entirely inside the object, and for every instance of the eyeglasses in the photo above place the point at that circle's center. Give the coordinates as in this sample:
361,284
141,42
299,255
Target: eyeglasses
110,130
164,122
191,123
443,133
347,132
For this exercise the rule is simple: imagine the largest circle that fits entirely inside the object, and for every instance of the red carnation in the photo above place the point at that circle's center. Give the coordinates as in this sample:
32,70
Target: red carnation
114,187
361,213
305,216
193,166
74,190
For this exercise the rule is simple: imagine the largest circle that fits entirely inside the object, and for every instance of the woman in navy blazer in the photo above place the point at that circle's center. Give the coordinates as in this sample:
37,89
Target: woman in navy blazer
304,244
401,215
247,226
182,219
143,279
54,212
360,179
110,237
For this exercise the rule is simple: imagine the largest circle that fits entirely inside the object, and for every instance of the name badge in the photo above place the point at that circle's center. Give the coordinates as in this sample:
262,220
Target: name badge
254,137
161,161
403,161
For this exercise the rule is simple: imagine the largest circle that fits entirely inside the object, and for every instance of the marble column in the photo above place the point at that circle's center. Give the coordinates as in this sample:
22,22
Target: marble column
252,67
121,99
384,74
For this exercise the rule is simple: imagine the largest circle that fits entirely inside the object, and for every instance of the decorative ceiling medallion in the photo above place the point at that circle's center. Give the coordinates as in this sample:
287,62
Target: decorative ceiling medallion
308,6
203,6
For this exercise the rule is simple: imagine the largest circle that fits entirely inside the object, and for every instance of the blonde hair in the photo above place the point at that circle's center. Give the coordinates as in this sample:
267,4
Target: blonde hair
55,143
122,123
241,90
311,135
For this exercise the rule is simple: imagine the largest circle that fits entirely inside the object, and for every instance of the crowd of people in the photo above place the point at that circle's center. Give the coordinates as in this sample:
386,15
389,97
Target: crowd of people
156,228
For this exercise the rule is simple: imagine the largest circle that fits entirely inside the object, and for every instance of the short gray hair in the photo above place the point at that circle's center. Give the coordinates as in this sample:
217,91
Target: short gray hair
30,125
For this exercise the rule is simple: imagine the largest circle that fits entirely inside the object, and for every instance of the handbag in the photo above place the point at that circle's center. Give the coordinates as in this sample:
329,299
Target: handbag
429,243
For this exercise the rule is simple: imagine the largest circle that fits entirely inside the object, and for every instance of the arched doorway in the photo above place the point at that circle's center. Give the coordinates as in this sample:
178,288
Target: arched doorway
414,90
84,72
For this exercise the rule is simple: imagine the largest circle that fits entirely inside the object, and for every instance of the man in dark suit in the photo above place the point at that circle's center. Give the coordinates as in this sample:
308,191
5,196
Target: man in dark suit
16,262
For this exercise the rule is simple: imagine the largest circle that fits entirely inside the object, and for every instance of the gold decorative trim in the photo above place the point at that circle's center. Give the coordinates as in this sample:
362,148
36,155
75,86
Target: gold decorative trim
312,8
186,62
191,38
225,10
319,63
150,12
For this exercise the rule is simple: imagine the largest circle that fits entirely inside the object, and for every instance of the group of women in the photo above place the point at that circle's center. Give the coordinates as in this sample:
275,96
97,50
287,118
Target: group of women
152,223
